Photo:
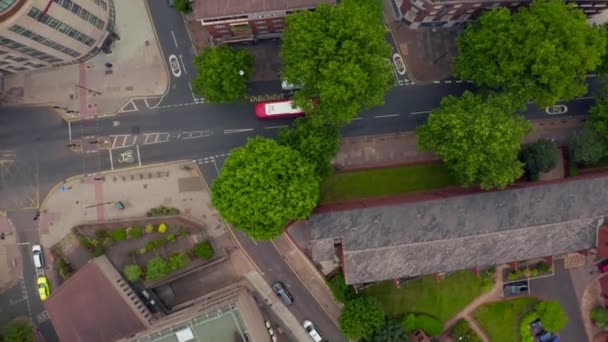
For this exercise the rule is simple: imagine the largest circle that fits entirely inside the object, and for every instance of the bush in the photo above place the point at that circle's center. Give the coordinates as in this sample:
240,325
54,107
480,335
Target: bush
65,270
149,228
162,228
342,292
118,234
101,234
462,332
177,261
599,316
135,232
156,268
514,275
159,242
132,272
572,170
162,210
487,282
184,231
183,6
524,326
150,246
430,325
361,317
107,242
542,266
552,315
527,272
542,156
587,148
173,211
171,237
142,251
99,250
85,242
203,250
18,331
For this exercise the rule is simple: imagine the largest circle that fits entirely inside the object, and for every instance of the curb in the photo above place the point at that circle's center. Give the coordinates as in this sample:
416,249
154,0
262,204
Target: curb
162,53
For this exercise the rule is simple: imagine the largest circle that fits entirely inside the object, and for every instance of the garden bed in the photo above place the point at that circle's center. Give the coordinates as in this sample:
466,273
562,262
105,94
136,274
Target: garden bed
528,270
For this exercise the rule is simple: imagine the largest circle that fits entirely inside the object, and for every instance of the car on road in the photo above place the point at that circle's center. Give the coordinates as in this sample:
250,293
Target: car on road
277,109
312,332
557,109
37,256
174,64
282,293
516,288
43,288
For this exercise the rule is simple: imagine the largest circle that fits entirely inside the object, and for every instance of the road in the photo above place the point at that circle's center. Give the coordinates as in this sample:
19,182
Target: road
180,127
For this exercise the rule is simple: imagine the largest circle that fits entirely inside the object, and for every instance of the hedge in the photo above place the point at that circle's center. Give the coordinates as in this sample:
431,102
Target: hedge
524,326
203,250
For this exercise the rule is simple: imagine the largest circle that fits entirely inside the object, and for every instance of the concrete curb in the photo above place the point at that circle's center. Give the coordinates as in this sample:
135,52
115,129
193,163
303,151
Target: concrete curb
164,58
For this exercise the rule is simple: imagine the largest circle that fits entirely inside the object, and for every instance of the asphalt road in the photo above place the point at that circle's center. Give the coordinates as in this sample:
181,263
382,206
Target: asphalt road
181,127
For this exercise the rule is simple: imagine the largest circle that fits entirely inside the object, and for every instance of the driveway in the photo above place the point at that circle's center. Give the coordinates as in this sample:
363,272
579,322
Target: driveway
560,287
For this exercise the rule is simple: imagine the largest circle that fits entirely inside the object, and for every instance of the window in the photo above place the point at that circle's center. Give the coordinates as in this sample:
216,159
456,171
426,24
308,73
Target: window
75,9
5,4
59,26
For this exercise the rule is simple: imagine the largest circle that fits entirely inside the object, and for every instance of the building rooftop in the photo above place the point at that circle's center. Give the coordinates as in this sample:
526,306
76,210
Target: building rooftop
483,229
206,9
94,305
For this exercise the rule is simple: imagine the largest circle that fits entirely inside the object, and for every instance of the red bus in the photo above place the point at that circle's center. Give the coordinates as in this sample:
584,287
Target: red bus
277,109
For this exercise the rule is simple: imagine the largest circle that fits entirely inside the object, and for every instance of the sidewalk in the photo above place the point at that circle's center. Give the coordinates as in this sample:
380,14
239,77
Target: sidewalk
138,70
402,148
10,258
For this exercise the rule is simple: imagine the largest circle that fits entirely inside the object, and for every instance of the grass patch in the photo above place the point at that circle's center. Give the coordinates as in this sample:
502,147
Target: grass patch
500,320
385,181
424,295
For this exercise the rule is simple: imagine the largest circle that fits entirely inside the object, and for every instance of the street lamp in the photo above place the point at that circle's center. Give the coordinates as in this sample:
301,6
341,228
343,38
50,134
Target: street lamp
241,72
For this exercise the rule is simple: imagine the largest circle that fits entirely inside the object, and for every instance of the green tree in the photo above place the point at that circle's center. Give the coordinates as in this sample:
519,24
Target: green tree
182,6
156,268
541,156
132,272
203,250
598,115
586,148
504,50
19,331
222,73
318,145
263,186
477,138
177,261
552,315
599,316
341,291
338,54
391,331
361,317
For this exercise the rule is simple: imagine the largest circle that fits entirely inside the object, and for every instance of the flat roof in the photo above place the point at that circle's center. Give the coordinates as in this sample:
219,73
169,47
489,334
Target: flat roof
206,9
89,308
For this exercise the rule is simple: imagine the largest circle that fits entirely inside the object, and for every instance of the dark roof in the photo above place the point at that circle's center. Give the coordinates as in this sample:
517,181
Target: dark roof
490,228
206,9
90,307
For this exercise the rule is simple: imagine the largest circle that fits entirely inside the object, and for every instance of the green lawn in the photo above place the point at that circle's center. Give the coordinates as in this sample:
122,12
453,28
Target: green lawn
385,181
500,320
423,294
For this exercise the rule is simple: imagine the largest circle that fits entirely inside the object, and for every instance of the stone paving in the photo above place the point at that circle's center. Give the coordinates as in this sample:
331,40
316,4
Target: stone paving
138,70
10,258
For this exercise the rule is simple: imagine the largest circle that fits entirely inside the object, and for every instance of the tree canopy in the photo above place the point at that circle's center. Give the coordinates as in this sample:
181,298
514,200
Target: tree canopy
587,148
542,53
542,156
361,317
552,315
19,331
222,73
132,272
338,54
478,138
318,145
598,115
391,331
341,291
263,186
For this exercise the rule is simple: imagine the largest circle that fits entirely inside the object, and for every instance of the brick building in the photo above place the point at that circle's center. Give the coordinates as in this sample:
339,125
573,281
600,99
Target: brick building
447,13
230,21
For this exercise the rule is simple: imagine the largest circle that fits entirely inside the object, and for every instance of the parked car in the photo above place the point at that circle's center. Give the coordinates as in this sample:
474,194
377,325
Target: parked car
282,293
312,332
43,288
38,256
516,288
540,334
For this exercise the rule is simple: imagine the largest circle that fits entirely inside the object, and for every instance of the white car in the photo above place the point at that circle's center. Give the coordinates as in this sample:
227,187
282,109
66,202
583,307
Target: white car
174,64
37,256
310,329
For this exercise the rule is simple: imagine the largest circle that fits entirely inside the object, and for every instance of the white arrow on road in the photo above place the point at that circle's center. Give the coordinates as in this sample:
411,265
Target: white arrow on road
230,131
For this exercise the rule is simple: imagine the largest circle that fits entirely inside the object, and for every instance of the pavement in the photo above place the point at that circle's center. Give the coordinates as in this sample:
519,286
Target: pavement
138,71
10,258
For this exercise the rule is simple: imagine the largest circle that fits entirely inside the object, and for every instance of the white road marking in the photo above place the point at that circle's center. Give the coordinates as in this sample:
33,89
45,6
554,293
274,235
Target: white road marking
111,160
194,134
138,155
174,40
183,65
436,82
275,127
422,112
230,131
459,81
448,81
386,116
70,130
156,138
124,142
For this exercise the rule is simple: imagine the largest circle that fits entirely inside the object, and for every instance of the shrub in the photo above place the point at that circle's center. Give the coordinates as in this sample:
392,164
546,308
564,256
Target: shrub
514,275
65,270
162,228
183,6
18,330
586,148
203,250
118,234
135,232
599,316
552,315
572,170
524,326
487,282
85,242
461,331
361,317
99,250
150,246
162,210
107,242
173,211
527,272
101,234
156,268
177,261
430,325
341,291
183,231
541,156
159,242
132,272
142,251
171,237
543,266
149,228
